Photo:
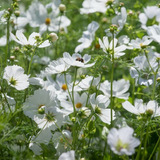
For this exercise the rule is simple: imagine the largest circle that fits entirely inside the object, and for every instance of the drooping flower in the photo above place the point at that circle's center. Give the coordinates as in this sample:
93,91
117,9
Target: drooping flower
21,39
77,60
15,77
121,141
87,37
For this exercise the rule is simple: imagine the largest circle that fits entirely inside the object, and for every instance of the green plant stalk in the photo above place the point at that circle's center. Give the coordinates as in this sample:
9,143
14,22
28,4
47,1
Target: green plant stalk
112,73
75,112
139,149
7,55
145,142
155,74
133,91
56,48
154,149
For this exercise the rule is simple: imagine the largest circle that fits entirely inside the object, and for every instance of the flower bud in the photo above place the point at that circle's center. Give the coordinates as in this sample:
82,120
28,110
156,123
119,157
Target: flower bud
53,37
62,8
12,58
17,13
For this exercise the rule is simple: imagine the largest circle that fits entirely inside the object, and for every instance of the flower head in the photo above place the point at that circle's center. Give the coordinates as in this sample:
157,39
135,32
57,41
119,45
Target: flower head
15,77
77,60
121,141
21,39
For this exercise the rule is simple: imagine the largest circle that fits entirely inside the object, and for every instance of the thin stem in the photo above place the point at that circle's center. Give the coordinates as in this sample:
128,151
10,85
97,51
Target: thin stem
56,48
154,148
7,55
112,73
145,142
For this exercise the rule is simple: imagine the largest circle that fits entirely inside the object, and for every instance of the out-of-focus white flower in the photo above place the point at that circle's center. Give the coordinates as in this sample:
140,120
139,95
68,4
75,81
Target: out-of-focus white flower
36,104
149,109
70,155
154,33
120,19
79,102
53,37
61,143
77,60
51,22
21,39
87,37
3,41
149,17
140,43
15,77
92,6
88,82
120,88
108,47
121,141
57,66
100,110
43,137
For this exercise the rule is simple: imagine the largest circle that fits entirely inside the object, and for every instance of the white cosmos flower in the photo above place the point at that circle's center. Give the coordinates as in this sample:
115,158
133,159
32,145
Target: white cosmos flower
77,60
92,6
51,22
87,37
154,33
61,143
3,41
36,104
15,77
57,66
149,17
120,18
108,47
70,155
79,102
149,109
100,110
120,88
21,39
121,141
43,137
140,43
88,82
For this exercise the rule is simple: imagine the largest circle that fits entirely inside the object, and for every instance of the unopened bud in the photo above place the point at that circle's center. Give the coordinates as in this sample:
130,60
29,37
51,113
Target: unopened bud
158,79
12,58
62,8
121,4
53,37
17,13
113,28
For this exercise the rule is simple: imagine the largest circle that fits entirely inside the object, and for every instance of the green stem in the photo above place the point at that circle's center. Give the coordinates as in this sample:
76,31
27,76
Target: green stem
7,44
145,142
112,73
56,48
154,149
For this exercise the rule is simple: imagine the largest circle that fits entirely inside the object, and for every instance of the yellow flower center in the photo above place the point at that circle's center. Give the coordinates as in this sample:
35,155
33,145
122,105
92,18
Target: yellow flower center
48,21
79,105
64,87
